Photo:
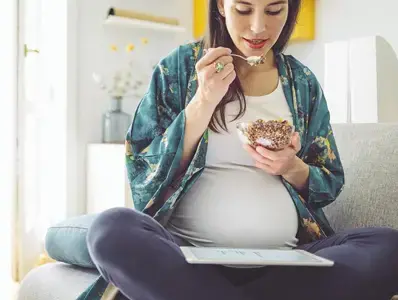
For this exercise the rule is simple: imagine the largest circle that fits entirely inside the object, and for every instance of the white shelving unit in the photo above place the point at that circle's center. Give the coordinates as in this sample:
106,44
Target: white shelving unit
107,183
135,23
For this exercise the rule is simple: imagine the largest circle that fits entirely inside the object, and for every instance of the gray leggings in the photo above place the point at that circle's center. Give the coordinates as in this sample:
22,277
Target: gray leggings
141,258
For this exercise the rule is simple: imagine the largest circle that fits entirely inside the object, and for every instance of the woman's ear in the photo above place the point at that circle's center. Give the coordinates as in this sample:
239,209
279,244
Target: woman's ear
220,6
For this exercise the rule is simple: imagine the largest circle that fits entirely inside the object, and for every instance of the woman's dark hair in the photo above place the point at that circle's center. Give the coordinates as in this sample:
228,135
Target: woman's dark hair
217,36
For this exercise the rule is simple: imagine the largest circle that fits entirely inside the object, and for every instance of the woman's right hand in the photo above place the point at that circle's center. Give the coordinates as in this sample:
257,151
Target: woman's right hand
212,85
212,88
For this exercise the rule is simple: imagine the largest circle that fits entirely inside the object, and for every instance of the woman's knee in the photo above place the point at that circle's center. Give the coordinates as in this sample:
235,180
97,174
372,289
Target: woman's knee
385,236
109,230
388,239
381,245
380,236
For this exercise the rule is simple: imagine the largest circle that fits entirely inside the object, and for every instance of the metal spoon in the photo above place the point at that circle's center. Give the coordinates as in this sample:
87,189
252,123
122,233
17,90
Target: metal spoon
252,60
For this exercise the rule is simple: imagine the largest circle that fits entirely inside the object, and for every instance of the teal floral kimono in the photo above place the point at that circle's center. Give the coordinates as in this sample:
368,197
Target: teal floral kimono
154,145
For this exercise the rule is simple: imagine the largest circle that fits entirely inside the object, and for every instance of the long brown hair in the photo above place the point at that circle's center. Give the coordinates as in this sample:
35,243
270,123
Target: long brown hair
217,36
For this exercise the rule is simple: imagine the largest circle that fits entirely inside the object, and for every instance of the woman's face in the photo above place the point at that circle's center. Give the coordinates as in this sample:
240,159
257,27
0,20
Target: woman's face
254,25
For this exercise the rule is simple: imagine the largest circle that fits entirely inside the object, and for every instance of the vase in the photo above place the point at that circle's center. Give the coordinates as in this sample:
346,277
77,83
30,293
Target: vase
115,123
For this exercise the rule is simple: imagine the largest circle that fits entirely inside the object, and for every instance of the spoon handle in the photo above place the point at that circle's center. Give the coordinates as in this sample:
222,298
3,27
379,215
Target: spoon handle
205,51
239,56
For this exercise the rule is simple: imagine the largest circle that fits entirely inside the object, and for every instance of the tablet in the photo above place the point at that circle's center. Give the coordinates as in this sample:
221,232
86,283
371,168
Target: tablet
253,257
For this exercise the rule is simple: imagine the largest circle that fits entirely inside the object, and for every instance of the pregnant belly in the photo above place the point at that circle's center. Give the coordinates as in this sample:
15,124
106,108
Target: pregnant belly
243,207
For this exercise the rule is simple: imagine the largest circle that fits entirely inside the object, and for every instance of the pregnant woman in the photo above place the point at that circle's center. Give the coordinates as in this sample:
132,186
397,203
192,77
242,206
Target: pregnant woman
194,183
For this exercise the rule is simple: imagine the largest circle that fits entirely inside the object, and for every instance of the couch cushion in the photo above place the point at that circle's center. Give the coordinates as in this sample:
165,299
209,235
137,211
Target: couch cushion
66,241
369,154
56,281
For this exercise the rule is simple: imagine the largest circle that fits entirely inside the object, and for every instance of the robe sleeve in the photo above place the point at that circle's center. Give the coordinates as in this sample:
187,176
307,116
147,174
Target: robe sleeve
326,174
154,140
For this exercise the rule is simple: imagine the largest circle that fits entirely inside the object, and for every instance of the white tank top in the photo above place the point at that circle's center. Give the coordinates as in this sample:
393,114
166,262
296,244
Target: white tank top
233,203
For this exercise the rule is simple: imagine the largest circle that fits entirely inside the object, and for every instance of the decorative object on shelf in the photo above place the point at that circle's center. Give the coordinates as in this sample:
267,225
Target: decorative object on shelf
115,122
123,17
304,30
122,81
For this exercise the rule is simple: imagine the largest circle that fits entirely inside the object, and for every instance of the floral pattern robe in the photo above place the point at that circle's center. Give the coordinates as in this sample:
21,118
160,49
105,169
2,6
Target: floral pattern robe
154,145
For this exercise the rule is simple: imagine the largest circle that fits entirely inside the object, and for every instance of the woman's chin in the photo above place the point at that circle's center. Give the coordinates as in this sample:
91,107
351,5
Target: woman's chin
255,52
247,51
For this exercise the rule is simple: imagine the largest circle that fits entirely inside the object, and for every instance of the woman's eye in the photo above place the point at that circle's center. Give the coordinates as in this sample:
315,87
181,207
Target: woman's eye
243,12
274,13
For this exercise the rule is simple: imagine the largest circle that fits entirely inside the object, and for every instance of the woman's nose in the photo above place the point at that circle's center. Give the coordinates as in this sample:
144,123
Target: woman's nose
258,24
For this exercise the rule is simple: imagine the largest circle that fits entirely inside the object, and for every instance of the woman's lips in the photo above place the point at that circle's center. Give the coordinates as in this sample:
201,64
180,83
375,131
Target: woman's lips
255,43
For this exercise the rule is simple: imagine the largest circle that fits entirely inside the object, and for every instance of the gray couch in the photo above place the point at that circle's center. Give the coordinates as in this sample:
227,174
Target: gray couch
369,154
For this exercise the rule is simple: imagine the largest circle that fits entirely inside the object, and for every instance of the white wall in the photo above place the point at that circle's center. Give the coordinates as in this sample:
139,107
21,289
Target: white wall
345,19
93,44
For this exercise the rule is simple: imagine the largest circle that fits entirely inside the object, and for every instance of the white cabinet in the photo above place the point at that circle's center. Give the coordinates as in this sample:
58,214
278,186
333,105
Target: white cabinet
360,80
107,183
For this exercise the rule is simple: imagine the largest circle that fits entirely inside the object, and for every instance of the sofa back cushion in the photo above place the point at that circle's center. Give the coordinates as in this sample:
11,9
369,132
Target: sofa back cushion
369,153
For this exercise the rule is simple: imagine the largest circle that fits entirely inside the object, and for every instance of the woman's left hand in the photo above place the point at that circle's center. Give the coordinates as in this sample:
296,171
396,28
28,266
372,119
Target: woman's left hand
276,162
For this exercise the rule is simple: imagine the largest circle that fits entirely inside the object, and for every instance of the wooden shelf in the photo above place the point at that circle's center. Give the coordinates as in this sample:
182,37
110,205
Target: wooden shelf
124,18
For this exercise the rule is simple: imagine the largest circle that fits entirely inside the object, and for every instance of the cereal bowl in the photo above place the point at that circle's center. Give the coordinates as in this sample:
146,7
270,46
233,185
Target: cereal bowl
273,134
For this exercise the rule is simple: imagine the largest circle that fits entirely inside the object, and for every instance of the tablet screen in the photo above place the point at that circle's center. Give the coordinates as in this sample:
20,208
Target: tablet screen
220,254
